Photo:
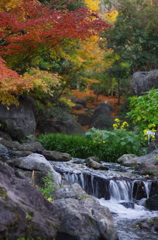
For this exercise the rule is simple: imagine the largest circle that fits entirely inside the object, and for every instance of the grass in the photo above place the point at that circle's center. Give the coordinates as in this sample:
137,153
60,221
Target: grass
81,147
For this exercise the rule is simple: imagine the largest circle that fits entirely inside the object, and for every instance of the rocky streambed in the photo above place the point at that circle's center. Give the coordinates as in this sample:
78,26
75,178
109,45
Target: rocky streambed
91,202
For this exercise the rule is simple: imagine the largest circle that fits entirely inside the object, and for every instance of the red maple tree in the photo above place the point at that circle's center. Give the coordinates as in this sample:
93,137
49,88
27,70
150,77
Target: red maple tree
30,28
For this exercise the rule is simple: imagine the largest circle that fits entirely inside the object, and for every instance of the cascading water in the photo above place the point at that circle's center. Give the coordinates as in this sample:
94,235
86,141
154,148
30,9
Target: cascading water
118,193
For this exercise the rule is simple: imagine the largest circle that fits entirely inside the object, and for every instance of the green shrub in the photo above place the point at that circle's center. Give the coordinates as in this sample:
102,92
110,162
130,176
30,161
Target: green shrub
118,141
49,186
144,110
108,146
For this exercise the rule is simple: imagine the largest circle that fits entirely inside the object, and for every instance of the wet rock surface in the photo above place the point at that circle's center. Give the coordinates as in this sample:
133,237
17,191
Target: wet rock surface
83,216
24,212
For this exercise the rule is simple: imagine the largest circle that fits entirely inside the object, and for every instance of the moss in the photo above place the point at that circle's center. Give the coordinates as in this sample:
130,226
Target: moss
86,196
3,193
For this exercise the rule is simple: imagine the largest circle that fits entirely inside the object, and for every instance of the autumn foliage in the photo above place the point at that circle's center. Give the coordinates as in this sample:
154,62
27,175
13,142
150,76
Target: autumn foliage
27,29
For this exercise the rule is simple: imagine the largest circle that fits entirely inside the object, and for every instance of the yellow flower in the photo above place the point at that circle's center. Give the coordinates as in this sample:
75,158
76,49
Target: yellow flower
125,124
116,120
151,125
115,126
103,141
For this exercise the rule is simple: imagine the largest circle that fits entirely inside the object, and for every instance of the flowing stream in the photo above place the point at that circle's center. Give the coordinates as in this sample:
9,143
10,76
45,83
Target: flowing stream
118,189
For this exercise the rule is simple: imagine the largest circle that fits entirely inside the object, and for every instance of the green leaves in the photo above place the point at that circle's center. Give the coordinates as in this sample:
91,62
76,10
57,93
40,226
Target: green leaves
119,139
134,34
144,109
49,186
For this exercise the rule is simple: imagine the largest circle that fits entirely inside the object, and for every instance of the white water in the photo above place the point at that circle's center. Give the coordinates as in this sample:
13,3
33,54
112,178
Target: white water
125,219
127,213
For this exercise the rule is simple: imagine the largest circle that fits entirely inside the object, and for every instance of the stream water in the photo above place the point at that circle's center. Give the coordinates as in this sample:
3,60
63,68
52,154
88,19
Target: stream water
116,188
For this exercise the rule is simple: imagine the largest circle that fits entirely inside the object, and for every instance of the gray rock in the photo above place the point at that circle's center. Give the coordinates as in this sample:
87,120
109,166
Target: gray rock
20,153
94,158
3,148
13,145
70,191
84,119
81,101
147,168
84,218
78,106
107,105
24,213
152,203
138,160
31,146
125,157
19,121
101,118
70,126
93,164
5,136
127,204
3,152
56,156
16,146
36,162
144,81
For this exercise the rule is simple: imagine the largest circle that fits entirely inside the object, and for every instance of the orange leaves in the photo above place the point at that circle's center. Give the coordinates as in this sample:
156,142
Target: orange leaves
43,81
27,29
36,23
11,84
83,94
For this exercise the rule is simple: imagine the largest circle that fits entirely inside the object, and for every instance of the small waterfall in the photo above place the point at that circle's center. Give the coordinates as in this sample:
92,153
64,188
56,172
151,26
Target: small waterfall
120,190
117,193
147,187
115,189
141,189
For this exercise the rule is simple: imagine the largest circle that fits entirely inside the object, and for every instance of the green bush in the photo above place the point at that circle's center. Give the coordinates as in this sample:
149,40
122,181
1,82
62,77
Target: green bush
49,186
144,110
108,146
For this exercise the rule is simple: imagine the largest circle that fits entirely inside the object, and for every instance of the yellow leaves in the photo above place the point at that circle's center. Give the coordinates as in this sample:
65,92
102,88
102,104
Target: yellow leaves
9,4
90,54
43,81
110,17
89,80
92,4
67,101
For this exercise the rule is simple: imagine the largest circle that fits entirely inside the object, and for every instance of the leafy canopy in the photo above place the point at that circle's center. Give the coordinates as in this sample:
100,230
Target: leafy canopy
30,29
134,34
144,110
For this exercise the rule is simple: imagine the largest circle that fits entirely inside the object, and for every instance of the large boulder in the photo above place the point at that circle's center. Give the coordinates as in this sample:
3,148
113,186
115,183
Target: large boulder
102,118
19,121
37,163
152,203
24,213
83,216
61,122
136,161
147,168
144,81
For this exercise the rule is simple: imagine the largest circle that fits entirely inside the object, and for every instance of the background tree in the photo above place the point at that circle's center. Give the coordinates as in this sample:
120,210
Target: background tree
29,30
131,41
134,34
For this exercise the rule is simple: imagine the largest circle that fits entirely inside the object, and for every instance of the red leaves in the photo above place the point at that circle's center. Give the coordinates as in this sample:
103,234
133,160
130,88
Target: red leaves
35,24
28,29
